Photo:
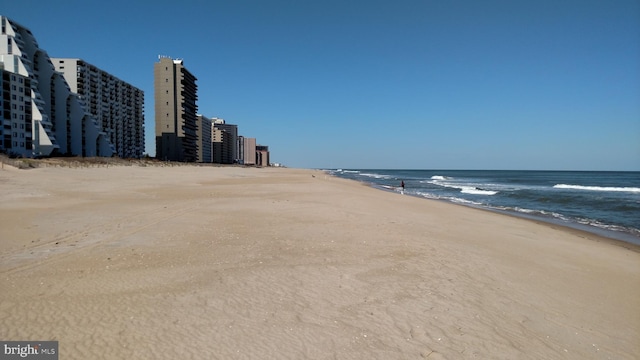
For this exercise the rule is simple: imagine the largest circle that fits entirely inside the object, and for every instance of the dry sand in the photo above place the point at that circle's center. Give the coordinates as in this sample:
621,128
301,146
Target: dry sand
245,263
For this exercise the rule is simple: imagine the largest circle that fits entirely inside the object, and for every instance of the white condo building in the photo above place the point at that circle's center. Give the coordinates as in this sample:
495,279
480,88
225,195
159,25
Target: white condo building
60,120
16,133
117,106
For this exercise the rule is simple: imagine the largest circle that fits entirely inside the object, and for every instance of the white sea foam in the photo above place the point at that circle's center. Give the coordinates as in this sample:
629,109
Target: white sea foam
463,201
377,176
428,195
465,189
609,227
474,190
542,213
522,210
439,177
596,188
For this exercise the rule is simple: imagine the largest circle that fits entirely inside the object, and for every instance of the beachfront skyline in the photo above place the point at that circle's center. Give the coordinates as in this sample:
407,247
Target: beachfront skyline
413,84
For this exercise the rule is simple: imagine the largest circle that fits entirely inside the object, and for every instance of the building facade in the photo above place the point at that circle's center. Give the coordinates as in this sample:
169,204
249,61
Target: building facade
240,145
221,146
175,111
231,132
204,139
262,155
249,151
60,123
15,104
117,106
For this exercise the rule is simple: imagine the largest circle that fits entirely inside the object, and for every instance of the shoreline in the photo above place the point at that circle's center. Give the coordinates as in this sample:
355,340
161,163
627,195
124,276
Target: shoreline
624,238
243,263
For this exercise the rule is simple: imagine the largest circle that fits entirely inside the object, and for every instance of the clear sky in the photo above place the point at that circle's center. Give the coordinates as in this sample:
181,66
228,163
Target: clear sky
424,84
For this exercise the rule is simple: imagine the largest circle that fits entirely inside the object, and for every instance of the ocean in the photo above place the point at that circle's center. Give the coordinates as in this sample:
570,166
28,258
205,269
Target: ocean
602,202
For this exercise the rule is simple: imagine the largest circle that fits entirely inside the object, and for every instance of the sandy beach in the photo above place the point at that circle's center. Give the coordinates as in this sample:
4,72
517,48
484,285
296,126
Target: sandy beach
189,262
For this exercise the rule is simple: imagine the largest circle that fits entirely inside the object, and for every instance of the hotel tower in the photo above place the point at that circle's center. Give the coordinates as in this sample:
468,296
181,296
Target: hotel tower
176,111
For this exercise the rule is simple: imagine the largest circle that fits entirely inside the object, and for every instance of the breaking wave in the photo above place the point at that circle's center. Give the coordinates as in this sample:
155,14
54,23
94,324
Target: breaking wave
465,189
597,188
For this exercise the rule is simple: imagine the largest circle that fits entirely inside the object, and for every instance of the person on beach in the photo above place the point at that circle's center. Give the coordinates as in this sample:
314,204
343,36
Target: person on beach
402,185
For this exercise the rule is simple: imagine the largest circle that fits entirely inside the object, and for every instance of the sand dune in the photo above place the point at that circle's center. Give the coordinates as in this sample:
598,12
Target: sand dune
244,263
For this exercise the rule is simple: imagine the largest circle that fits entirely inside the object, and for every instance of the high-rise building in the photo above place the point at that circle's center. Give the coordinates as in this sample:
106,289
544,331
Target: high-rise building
240,145
221,146
204,139
15,104
60,122
249,151
117,106
176,111
231,131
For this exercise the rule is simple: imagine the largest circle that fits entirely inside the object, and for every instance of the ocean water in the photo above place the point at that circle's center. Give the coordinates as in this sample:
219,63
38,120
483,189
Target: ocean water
602,202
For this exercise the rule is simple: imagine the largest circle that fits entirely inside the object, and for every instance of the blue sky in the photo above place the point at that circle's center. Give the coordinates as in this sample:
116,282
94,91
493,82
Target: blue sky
426,84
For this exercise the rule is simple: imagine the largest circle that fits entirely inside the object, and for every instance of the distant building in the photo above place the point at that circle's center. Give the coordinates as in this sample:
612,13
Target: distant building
205,150
221,145
240,145
231,130
249,151
176,111
262,155
60,121
117,106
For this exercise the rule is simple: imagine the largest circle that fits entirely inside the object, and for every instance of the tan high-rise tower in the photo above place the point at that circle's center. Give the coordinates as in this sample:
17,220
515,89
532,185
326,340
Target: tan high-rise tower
176,111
